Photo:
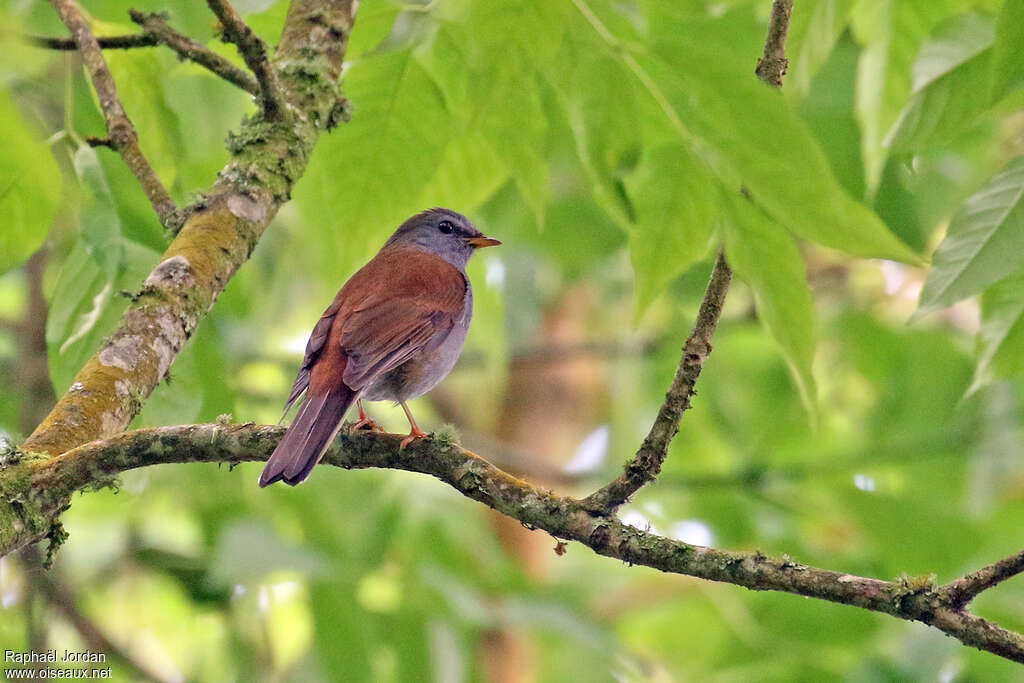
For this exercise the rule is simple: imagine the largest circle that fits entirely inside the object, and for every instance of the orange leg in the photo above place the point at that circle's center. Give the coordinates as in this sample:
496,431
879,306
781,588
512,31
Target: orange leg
414,433
365,421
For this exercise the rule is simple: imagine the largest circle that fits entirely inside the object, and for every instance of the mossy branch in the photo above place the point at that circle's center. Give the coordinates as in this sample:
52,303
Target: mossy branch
36,482
219,234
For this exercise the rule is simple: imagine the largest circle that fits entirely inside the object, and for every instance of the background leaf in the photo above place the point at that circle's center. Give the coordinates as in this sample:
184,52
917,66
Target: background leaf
813,32
1001,338
985,242
29,188
950,83
674,219
785,170
1008,51
764,255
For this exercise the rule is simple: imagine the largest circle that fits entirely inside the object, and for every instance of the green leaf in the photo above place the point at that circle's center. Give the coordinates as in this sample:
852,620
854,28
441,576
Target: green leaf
1001,337
891,32
827,110
520,36
770,151
953,43
985,242
763,254
950,84
369,175
600,103
99,223
470,172
813,32
30,185
1008,51
83,306
88,278
516,128
78,299
674,219
486,63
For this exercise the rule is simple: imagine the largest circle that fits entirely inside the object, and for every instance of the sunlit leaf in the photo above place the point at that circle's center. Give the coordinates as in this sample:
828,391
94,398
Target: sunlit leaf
764,255
99,223
985,242
602,112
674,219
29,188
369,175
1008,51
1001,338
813,32
770,151
891,32
950,83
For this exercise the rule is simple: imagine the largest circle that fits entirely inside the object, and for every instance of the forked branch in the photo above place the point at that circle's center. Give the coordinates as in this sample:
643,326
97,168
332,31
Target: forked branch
156,25
254,52
119,127
646,464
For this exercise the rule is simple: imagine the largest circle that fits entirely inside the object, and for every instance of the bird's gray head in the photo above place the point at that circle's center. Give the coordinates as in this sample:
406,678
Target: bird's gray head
443,232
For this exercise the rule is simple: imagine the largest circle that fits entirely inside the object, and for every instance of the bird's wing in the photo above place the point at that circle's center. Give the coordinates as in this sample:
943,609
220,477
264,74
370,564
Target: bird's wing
407,301
313,348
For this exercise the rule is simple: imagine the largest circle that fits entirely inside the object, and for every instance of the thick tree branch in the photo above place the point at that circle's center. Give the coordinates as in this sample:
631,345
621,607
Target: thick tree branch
254,52
156,26
913,599
646,464
221,230
122,133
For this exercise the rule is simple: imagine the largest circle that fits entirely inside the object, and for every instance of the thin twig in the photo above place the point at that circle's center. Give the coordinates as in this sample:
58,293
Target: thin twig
124,42
119,126
772,66
254,52
156,26
646,464
966,588
95,141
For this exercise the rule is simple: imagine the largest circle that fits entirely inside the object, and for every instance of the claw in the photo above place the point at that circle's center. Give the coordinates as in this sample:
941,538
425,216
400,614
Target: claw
365,421
416,433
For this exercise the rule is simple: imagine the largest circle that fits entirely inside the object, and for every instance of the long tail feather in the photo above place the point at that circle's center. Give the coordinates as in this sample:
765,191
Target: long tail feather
302,446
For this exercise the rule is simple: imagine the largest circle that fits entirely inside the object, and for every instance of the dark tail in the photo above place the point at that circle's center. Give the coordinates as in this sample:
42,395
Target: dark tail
302,446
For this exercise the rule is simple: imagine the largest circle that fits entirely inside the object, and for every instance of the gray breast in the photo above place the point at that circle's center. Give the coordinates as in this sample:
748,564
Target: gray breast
422,373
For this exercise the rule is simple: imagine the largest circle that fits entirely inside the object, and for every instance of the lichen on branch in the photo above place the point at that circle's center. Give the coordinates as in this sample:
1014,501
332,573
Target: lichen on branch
909,598
220,231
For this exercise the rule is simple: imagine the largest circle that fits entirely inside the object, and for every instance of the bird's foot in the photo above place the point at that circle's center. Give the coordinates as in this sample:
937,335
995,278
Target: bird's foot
416,433
366,423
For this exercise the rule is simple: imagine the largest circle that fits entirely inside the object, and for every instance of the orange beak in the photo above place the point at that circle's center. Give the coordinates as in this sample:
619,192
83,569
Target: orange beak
481,242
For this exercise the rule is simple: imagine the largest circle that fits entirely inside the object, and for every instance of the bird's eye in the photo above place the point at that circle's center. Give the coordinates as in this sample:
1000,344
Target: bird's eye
446,227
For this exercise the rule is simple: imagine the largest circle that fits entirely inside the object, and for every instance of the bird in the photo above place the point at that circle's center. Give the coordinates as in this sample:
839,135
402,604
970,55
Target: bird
394,330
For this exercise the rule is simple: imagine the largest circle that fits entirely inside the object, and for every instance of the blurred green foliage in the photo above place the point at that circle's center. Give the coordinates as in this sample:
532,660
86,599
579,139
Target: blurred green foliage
605,142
